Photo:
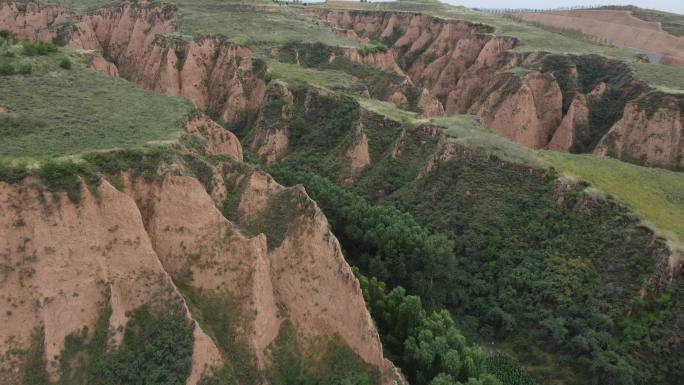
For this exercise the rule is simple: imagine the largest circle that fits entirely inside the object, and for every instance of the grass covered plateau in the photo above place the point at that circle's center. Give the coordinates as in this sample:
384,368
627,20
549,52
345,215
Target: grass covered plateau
54,105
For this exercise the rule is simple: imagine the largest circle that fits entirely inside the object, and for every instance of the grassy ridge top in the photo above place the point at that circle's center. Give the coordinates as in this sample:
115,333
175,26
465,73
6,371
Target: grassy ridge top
55,111
255,23
657,194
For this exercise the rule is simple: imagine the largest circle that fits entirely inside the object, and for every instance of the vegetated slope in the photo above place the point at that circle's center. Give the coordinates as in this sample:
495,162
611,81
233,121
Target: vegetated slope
562,102
566,280
622,27
52,104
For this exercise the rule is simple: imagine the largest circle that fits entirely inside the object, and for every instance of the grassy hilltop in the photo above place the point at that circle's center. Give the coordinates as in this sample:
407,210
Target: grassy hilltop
56,106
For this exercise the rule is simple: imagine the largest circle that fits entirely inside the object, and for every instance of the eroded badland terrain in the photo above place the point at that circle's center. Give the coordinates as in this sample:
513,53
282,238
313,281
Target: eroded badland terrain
252,192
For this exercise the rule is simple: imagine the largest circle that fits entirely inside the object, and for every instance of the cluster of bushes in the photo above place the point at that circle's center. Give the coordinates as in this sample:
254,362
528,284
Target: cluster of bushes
543,276
7,36
65,63
8,69
156,349
29,48
552,280
338,364
38,48
11,172
426,345
372,48
508,370
384,242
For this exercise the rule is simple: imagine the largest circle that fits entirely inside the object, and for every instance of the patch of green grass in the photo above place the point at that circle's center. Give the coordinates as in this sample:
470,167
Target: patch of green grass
337,365
295,76
389,110
219,314
80,6
657,194
255,23
57,111
273,221
34,369
371,48
468,131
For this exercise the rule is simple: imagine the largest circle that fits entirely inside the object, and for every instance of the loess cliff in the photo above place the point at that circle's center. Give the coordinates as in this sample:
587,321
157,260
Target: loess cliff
177,245
566,103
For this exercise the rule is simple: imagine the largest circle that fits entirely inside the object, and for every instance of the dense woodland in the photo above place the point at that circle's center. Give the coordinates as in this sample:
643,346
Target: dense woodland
552,284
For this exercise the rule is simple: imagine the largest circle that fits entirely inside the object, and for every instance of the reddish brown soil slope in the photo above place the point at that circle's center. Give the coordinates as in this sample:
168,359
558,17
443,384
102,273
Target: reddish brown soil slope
617,27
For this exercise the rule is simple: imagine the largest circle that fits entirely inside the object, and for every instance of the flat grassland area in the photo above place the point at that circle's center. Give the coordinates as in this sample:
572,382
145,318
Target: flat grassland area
255,23
53,111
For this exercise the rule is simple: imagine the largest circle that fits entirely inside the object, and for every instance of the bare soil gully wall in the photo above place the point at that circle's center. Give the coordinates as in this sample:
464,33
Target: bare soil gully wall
566,103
